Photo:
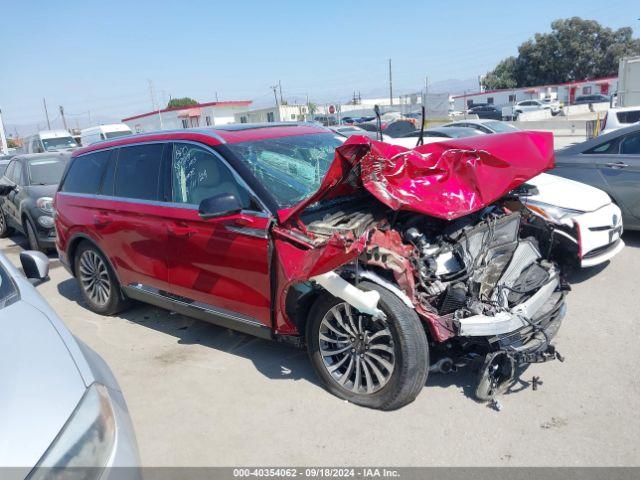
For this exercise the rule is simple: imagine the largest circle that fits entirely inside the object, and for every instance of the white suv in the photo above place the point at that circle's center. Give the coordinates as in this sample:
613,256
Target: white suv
616,118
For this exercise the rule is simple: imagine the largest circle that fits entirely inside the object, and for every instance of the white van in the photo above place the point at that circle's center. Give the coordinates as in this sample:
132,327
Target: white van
49,141
103,132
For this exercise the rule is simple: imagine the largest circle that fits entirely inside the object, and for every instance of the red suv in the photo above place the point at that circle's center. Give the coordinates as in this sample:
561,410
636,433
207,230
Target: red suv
369,254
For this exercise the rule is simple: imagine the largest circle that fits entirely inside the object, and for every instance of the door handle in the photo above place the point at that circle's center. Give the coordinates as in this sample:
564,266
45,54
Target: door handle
182,231
101,220
616,165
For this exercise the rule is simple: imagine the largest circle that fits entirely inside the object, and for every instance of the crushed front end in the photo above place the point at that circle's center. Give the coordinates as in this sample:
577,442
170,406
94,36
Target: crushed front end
440,228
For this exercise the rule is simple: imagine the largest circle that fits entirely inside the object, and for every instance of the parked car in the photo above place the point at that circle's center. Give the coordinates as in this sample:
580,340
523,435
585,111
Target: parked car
409,140
587,223
49,141
103,132
616,118
529,106
61,405
483,125
554,105
580,211
486,111
26,197
326,120
347,130
283,232
586,99
610,162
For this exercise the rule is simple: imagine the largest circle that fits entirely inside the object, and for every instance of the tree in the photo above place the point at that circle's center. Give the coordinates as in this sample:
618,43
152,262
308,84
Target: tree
503,76
181,102
313,108
575,49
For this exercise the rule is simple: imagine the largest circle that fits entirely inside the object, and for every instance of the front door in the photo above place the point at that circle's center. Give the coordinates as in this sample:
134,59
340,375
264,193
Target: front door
223,262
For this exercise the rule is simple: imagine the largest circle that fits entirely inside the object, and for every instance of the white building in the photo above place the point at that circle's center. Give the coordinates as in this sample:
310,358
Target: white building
563,92
281,113
201,115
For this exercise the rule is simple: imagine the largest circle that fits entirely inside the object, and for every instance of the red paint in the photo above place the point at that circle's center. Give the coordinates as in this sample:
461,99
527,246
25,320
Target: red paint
174,250
443,179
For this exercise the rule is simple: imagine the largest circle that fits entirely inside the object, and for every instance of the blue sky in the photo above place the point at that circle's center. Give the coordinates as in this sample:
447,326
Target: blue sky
98,55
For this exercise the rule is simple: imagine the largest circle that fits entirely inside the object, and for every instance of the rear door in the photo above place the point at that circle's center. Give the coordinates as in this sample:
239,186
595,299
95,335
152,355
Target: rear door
115,198
621,171
132,221
223,262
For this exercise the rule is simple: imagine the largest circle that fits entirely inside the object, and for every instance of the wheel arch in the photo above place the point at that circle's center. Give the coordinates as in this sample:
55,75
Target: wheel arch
301,297
75,241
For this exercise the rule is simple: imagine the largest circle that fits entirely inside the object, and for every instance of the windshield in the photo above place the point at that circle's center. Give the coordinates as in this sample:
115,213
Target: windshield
46,171
290,168
501,127
116,134
8,292
58,143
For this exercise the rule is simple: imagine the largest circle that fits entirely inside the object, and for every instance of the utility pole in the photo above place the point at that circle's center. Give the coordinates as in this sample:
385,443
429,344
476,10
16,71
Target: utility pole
64,120
154,103
46,113
275,96
4,148
280,87
390,85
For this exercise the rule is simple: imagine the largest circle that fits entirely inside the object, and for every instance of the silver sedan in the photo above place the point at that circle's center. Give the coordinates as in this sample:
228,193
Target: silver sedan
61,406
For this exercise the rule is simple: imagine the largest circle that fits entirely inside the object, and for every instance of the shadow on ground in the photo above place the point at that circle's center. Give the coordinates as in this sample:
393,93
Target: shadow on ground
274,360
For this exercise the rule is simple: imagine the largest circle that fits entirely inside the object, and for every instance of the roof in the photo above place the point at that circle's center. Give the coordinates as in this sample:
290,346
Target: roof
231,103
233,133
575,82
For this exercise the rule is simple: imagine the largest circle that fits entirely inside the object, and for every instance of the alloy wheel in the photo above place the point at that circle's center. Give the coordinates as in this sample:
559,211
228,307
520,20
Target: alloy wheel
94,277
356,349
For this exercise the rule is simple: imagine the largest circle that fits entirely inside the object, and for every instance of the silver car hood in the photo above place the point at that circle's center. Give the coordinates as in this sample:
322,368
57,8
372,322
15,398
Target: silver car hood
41,384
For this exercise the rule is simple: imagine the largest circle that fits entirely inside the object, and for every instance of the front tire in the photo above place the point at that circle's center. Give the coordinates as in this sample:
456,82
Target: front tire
376,363
32,236
97,281
5,230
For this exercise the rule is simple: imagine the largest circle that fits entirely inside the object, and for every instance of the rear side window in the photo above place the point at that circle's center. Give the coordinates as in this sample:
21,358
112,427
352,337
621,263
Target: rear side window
85,173
630,144
138,172
629,117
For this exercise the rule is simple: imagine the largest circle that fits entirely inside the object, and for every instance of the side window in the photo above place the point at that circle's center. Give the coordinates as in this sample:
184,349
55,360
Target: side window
197,174
631,116
138,172
9,171
609,147
630,144
85,173
17,174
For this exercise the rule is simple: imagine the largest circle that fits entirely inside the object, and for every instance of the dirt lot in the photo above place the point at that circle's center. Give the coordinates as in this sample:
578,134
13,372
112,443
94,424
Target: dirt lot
202,395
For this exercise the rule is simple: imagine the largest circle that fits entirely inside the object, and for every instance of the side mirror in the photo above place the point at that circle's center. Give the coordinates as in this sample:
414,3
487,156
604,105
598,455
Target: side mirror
35,265
219,205
6,189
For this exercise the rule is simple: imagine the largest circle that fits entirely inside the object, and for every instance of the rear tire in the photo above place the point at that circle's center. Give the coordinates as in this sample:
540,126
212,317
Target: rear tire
97,281
381,364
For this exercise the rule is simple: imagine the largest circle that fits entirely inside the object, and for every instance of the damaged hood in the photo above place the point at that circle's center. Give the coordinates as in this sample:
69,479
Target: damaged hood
447,180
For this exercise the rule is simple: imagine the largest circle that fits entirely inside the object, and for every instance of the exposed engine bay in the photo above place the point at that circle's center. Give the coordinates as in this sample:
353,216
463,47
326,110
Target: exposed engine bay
480,283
